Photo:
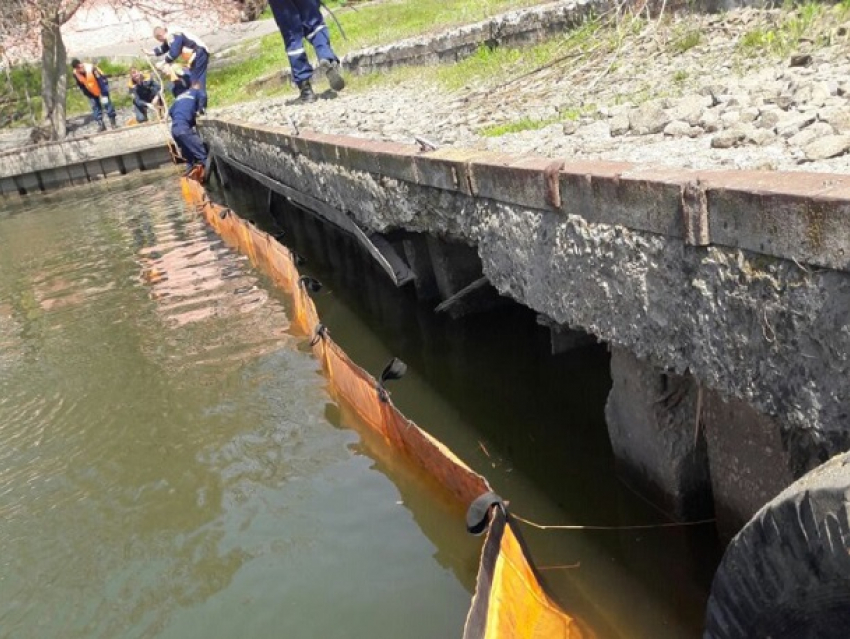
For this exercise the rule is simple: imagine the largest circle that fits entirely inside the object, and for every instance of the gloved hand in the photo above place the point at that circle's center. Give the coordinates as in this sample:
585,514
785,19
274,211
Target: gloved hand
104,100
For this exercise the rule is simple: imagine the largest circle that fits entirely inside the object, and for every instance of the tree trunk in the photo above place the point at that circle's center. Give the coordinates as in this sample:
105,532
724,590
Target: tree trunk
54,77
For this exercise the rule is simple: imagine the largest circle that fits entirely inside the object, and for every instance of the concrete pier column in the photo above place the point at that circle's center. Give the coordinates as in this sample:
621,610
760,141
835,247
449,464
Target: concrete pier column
749,462
455,265
659,447
418,257
564,339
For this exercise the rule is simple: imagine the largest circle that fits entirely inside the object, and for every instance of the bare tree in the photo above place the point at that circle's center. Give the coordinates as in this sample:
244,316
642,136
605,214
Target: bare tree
36,25
41,21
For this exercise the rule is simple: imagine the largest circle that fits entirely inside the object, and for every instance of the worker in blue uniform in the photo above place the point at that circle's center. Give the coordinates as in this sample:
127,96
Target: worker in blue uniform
145,92
183,114
177,44
297,20
179,80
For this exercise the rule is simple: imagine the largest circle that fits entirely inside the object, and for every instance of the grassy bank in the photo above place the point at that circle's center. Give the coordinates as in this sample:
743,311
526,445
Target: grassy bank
593,50
364,25
594,42
20,92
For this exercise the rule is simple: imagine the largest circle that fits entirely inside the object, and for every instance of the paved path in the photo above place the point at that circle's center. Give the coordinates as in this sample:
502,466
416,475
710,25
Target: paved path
217,40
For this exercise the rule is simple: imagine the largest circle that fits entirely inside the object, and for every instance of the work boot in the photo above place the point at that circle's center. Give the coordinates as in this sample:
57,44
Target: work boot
335,79
101,126
113,123
306,90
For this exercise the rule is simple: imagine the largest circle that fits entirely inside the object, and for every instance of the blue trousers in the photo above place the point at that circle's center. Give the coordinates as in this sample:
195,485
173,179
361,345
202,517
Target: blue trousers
198,73
97,109
299,19
140,110
190,144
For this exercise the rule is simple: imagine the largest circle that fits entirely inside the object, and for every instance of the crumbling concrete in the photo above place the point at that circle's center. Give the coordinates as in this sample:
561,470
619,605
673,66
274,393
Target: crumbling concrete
630,256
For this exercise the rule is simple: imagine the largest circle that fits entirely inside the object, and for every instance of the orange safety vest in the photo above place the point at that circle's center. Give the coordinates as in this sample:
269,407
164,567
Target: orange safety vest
88,79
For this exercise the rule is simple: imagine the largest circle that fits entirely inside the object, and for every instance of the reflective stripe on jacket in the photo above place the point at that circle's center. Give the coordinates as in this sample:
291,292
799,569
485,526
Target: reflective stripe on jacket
181,44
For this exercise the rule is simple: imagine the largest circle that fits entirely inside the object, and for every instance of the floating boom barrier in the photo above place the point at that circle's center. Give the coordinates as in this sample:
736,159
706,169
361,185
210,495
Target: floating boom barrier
510,601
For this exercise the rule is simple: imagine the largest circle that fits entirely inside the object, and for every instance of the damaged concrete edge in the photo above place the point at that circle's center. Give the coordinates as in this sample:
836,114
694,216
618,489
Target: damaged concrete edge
803,217
57,164
68,152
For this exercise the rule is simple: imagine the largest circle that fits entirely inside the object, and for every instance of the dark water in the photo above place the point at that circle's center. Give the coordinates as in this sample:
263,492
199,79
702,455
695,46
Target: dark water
173,466
533,423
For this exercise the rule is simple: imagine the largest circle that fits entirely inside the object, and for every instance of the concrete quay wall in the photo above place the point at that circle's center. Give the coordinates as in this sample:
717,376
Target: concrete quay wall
725,293
53,165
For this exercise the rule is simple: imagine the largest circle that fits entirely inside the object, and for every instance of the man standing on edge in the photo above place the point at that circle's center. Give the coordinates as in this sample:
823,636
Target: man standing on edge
95,87
299,19
183,120
178,43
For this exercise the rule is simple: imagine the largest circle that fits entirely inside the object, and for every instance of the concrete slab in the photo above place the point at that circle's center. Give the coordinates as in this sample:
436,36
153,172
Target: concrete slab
77,173
77,151
529,181
645,200
802,217
28,182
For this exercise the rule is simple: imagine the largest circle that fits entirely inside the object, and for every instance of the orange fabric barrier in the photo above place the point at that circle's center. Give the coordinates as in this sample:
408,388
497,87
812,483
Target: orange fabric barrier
509,602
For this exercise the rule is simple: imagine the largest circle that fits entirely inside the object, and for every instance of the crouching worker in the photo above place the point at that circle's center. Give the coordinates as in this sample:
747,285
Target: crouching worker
145,92
183,119
95,87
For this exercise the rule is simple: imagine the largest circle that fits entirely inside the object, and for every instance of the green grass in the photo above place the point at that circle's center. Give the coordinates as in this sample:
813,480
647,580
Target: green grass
364,26
783,38
23,79
531,124
517,126
119,68
14,86
687,40
502,63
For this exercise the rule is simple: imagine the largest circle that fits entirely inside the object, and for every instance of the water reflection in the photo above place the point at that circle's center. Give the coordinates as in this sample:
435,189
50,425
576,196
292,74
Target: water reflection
168,468
533,424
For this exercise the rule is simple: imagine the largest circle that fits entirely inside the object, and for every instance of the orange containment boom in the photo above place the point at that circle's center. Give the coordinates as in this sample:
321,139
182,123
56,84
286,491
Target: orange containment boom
509,602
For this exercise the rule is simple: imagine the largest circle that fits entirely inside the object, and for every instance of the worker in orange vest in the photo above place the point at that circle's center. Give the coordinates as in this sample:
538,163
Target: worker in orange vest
95,87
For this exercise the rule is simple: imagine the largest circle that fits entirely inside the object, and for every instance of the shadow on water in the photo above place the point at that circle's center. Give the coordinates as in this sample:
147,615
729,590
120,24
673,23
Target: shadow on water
488,386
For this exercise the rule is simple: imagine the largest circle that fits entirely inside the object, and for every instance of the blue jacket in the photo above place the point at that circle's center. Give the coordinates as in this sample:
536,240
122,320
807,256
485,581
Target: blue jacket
144,91
183,44
182,83
185,109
